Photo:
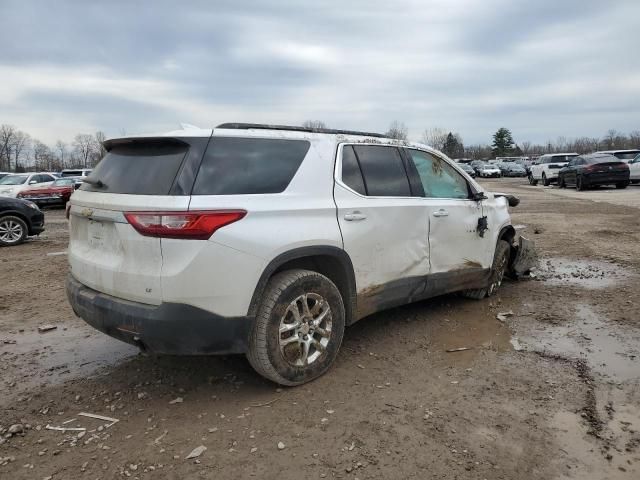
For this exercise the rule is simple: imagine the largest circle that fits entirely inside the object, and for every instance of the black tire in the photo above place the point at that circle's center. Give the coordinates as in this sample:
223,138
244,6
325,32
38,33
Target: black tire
622,185
561,183
532,181
13,231
545,181
580,186
498,271
278,363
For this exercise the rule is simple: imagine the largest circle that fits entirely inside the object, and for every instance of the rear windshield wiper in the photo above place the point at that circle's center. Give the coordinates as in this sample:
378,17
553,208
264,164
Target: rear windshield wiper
94,182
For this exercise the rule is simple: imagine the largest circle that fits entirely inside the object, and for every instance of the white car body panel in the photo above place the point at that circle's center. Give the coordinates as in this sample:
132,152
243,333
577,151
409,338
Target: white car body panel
634,169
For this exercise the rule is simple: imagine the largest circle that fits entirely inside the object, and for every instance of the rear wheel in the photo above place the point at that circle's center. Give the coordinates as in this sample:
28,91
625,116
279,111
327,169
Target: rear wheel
545,181
561,183
13,231
580,186
498,270
298,329
622,185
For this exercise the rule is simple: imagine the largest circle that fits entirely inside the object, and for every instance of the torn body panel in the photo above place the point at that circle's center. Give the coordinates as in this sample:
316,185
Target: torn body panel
524,257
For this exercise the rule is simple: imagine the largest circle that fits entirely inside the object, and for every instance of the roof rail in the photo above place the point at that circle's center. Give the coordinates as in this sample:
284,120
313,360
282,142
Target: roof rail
260,126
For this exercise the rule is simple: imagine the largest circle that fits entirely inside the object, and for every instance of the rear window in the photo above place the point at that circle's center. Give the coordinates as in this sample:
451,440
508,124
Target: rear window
237,166
602,159
72,173
144,168
561,158
626,155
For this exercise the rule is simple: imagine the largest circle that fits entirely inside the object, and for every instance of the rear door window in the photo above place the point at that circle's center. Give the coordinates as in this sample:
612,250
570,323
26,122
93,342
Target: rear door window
383,171
139,167
237,166
351,174
439,179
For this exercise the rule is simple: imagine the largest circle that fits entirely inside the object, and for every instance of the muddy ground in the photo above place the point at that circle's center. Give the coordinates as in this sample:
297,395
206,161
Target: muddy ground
551,391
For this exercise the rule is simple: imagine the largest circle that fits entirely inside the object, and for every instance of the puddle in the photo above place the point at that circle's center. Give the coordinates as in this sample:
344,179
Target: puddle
608,348
581,273
582,457
38,359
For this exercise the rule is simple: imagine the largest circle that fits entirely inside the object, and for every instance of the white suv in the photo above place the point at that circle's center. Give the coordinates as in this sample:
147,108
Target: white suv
547,167
269,240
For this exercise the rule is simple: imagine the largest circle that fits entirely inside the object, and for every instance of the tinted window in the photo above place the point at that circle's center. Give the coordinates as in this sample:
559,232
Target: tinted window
439,179
144,168
602,159
383,171
235,166
561,158
351,174
626,155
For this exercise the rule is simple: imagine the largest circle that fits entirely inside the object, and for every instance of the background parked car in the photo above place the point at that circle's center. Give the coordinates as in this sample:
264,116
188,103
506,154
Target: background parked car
547,167
13,184
19,219
56,193
4,174
513,170
628,154
468,169
76,172
489,171
634,169
594,170
477,165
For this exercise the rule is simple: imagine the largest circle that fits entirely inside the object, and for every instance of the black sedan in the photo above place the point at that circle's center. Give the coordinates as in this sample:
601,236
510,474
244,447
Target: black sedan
18,220
593,170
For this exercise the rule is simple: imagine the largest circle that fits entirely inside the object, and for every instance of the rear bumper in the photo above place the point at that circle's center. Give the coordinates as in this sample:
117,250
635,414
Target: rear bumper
170,328
606,178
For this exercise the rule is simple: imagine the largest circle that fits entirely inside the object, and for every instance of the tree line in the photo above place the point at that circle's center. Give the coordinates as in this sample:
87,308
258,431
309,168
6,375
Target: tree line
19,152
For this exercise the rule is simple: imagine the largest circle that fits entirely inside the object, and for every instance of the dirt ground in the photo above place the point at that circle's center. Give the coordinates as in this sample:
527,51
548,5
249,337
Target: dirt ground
549,392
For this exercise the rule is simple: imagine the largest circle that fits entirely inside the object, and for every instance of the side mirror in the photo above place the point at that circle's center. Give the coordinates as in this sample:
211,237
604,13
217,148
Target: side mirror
32,182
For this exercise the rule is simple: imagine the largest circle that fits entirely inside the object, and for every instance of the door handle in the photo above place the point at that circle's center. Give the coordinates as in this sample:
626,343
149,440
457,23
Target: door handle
441,213
354,216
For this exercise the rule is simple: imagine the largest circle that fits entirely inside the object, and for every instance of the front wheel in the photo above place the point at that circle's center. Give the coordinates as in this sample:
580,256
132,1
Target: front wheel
532,181
580,186
299,328
561,183
13,231
498,271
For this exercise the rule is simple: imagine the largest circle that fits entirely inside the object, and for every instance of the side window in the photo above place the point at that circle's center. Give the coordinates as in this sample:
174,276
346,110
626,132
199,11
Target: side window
439,179
383,171
39,178
351,174
236,166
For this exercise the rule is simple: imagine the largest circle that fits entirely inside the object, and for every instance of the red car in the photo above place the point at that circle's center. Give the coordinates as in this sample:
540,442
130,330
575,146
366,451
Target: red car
56,193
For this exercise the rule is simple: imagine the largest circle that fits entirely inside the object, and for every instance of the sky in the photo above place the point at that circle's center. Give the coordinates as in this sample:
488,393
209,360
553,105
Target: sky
544,68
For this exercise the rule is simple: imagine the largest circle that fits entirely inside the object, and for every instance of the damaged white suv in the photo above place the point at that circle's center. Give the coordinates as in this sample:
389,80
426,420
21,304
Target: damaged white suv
270,240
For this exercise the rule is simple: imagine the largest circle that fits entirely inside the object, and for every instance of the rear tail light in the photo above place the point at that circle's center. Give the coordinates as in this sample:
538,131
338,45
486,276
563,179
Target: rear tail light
186,225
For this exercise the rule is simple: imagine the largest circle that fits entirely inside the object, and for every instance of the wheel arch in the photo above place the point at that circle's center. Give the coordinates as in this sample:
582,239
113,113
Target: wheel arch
20,215
332,262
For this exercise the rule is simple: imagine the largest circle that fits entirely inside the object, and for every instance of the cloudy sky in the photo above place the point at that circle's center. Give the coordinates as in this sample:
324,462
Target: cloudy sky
542,68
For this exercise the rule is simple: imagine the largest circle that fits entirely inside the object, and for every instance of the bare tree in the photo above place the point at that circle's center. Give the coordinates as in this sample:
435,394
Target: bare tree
397,130
314,124
43,156
19,144
84,146
61,149
435,137
526,146
7,133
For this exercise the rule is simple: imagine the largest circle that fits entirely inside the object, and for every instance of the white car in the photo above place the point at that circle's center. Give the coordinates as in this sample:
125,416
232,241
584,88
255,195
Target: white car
546,168
489,170
626,154
13,184
634,169
269,240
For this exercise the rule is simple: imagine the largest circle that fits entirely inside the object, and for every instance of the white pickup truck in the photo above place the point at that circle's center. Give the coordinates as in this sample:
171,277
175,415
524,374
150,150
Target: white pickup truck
547,167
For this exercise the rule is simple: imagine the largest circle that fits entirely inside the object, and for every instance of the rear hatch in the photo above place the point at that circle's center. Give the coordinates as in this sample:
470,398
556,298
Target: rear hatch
106,253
